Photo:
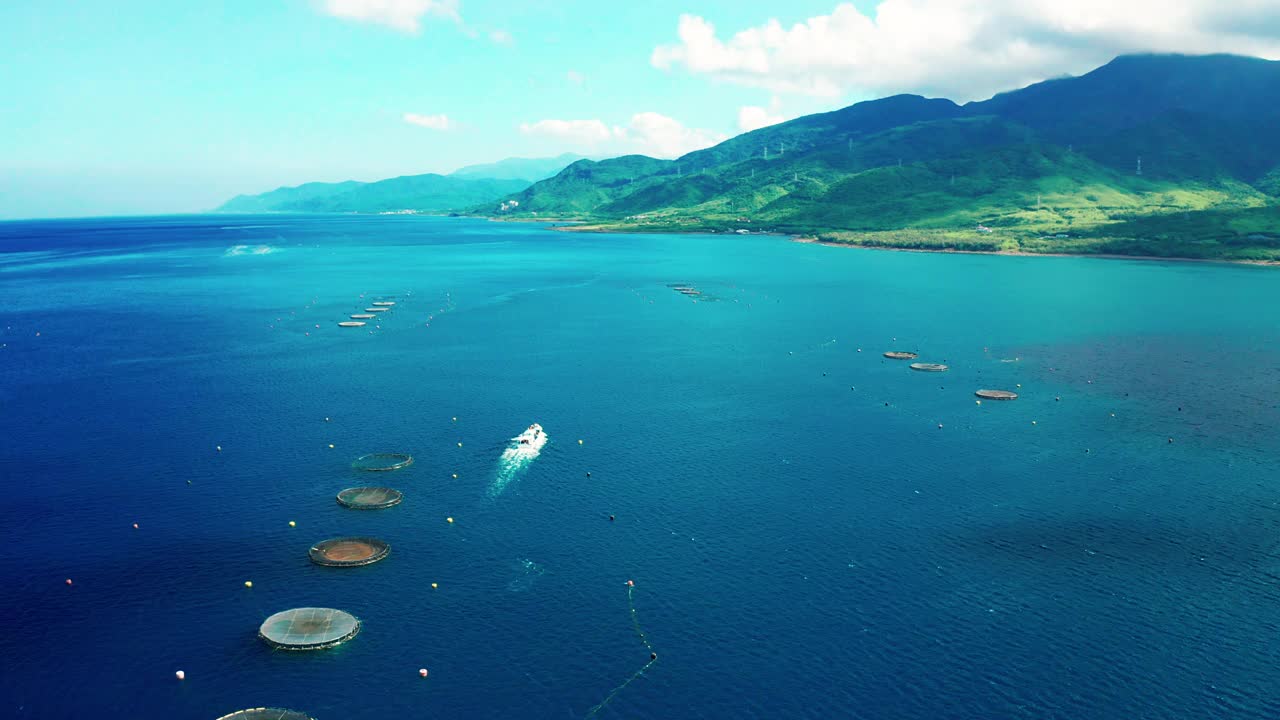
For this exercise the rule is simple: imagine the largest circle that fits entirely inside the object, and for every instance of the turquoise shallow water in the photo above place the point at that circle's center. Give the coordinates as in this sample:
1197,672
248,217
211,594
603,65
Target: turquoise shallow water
805,540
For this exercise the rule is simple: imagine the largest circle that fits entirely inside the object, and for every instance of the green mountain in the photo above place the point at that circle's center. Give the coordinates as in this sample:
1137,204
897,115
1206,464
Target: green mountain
1158,154
423,193
464,188
530,170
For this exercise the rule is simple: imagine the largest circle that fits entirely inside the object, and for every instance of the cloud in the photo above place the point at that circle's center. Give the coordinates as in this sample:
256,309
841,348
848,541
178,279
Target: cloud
578,133
575,77
403,15
502,37
754,117
963,49
433,122
647,133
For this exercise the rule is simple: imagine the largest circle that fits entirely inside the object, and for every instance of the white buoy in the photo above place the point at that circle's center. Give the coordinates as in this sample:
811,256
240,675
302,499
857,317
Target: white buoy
180,675
422,672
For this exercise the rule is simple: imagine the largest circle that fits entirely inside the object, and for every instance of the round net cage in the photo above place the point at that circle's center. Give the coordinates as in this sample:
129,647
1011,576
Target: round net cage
997,395
383,303
898,355
369,498
350,323
363,316
382,462
267,714
376,309
929,367
308,628
349,552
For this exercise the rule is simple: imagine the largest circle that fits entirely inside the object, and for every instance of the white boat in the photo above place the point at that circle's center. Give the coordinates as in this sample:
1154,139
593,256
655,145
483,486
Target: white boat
532,439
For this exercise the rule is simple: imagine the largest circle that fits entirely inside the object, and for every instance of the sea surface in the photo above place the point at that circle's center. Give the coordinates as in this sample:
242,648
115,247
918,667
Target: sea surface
812,530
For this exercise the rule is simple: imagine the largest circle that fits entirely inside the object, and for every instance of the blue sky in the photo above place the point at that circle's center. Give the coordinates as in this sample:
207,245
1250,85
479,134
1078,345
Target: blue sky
154,106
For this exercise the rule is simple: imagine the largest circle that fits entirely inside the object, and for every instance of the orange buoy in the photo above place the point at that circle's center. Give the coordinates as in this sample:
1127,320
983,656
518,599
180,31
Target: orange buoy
68,581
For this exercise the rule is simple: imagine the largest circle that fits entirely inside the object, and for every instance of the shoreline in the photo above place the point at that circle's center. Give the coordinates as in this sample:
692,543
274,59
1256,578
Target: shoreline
803,240
808,240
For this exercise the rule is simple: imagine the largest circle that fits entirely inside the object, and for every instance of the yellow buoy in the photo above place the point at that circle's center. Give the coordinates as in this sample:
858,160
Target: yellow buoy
579,442
455,476
979,402
248,583
434,586
293,524
459,444
449,520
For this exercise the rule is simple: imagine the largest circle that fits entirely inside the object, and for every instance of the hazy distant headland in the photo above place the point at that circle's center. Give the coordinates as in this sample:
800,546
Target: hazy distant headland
1155,155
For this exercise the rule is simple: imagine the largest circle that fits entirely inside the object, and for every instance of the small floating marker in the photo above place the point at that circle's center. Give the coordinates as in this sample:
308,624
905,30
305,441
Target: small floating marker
588,473
979,402
1170,441
448,520
653,656
180,675
455,419
939,426
455,476
68,581
135,526
219,448
327,420
1033,422
330,446
1058,399
579,442
293,523
248,583
610,518
631,583
434,586
422,672
1113,414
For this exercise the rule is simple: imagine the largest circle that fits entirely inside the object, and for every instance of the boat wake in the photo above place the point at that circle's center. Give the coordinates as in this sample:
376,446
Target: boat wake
524,449
236,250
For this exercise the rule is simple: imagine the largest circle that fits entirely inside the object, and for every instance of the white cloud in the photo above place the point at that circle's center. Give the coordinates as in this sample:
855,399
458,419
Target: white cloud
578,133
433,122
664,137
964,49
502,37
647,133
403,15
575,77
754,117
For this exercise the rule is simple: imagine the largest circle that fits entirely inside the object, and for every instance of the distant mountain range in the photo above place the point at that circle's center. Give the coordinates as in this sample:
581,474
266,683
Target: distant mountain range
1152,154
466,187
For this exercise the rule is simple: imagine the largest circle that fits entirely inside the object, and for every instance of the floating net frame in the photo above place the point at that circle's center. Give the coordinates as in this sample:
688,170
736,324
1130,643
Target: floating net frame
351,323
929,367
363,316
900,355
383,303
308,628
369,498
376,309
996,395
349,551
382,462
267,714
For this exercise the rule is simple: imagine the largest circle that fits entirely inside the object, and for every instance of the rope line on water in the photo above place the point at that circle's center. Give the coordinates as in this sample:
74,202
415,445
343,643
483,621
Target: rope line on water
653,655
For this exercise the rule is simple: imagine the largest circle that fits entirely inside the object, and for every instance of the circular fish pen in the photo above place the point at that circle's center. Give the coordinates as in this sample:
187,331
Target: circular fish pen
267,714
350,323
349,552
929,367
897,355
308,628
376,309
382,462
997,395
369,498
383,303
363,316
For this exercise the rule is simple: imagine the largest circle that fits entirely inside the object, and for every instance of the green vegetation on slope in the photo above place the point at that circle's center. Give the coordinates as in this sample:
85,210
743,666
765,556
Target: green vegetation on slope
1123,160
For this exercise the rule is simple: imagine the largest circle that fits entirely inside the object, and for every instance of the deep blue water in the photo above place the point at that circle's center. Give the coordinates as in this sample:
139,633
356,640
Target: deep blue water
805,541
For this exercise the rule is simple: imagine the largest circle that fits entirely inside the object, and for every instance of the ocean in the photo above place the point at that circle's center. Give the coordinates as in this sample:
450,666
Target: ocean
812,530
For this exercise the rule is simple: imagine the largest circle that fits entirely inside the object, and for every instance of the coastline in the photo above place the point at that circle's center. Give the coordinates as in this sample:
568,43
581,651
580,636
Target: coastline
809,240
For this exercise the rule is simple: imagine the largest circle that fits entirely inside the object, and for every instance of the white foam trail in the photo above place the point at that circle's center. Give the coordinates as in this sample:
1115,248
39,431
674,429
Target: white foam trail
235,250
516,458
